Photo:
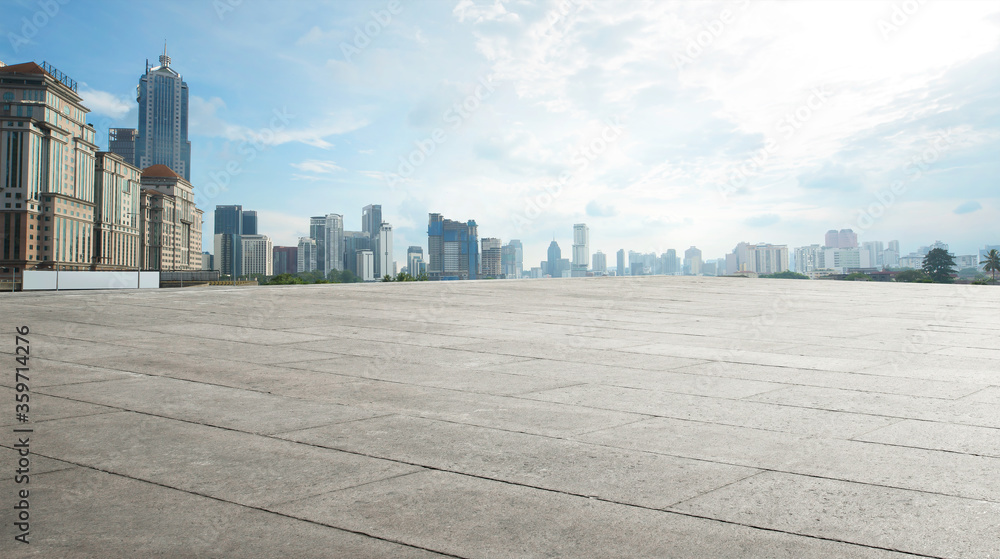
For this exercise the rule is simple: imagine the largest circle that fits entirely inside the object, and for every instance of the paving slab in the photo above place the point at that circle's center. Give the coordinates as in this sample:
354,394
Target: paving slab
220,463
913,522
639,478
81,512
472,517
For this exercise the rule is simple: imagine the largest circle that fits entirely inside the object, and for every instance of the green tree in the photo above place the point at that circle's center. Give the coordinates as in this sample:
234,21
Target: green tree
939,265
285,279
387,277
858,276
991,263
912,276
787,274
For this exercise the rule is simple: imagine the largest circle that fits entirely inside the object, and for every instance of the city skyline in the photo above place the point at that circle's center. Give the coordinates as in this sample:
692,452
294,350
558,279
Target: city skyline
891,133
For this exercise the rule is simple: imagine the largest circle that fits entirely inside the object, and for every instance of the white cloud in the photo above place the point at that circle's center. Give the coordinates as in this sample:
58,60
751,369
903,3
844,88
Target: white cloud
106,104
479,13
318,166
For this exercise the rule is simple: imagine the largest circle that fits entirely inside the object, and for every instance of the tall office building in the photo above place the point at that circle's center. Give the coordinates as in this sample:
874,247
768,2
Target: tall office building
47,153
554,254
371,220
249,222
228,247
306,254
365,264
258,254
832,239
414,260
333,243
286,260
163,119
845,238
383,260
518,250
121,141
353,242
581,249
490,257
452,248
692,261
317,232
621,262
600,264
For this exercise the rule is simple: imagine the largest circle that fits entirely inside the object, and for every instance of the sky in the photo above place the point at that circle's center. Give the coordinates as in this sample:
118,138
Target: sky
658,124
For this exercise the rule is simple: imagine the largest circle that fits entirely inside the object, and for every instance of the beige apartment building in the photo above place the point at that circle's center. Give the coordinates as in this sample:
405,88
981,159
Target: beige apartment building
170,224
116,215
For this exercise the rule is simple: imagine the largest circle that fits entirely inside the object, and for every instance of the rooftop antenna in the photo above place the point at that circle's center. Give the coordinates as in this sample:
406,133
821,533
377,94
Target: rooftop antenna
164,59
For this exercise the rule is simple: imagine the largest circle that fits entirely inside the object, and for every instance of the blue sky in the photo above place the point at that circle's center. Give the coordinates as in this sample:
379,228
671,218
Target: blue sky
660,125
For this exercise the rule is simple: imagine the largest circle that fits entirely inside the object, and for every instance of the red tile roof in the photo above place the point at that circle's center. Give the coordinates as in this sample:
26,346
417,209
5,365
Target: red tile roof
161,171
23,68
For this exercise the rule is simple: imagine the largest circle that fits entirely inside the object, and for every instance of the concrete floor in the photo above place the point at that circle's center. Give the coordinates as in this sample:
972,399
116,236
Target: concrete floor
605,417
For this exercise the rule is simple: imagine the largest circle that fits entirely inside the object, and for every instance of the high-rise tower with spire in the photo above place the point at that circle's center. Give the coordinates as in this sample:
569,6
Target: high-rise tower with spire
163,119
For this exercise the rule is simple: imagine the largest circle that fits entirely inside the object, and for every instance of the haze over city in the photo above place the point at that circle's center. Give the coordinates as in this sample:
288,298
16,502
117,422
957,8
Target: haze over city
660,125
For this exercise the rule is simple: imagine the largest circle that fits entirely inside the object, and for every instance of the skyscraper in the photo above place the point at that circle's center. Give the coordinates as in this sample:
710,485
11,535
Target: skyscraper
621,262
306,254
228,247
383,259
371,220
163,119
581,249
491,257
317,232
518,248
452,248
414,260
258,255
121,141
333,243
600,265
555,255
692,261
249,222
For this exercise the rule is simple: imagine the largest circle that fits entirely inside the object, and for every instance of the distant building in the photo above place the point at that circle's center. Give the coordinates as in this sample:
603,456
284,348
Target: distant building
553,267
228,247
286,260
384,263
333,243
761,258
207,262
163,119
365,264
490,257
121,141
317,232
845,238
452,248
581,249
621,261
512,259
306,254
249,222
258,254
808,259
692,261
414,260
353,242
599,264
171,224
